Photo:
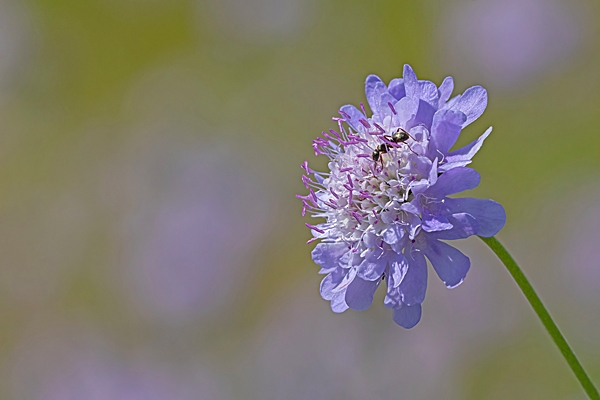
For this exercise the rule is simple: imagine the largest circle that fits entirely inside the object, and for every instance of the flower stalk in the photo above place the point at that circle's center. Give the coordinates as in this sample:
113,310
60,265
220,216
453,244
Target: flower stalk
544,316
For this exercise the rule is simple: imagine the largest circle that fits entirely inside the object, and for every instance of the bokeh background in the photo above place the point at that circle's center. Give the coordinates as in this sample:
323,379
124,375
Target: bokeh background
150,243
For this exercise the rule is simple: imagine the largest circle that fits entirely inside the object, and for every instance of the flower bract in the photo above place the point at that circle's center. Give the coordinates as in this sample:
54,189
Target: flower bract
386,199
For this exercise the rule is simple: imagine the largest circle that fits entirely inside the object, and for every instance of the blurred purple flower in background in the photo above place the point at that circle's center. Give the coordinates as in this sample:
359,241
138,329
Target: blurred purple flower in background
385,199
260,21
69,364
15,43
509,42
299,353
188,240
580,252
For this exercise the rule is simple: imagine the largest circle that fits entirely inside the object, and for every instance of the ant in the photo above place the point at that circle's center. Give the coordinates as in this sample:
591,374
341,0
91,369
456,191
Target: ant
400,136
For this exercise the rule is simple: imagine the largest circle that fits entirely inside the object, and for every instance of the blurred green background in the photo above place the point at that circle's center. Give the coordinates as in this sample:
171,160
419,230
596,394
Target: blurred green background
150,243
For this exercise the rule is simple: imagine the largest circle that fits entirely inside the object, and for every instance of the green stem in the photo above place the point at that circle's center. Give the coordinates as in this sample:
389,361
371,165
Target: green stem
543,314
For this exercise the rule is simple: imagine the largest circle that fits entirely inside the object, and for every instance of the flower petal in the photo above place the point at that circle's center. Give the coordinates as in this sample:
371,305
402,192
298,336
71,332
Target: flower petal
445,129
374,86
413,207
435,223
463,156
428,92
433,173
359,295
347,278
463,226
382,112
448,262
338,302
411,85
407,316
350,259
490,215
373,265
472,103
414,284
396,88
412,224
393,298
355,116
330,282
406,109
424,115
445,90
393,233
398,269
454,181
327,255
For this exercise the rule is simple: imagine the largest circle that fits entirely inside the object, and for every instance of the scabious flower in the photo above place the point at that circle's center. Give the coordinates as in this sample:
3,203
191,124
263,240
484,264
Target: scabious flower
385,198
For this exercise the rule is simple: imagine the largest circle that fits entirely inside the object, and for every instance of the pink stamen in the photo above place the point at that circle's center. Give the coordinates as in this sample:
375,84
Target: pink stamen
365,123
392,108
314,228
392,144
346,116
314,197
346,169
356,215
317,150
307,181
362,107
327,135
337,135
305,167
379,127
306,205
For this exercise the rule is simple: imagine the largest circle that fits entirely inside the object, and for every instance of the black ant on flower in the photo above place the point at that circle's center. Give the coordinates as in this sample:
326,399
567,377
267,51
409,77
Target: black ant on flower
400,136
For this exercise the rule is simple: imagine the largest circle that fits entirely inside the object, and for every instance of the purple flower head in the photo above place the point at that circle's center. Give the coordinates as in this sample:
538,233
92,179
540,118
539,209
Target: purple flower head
385,199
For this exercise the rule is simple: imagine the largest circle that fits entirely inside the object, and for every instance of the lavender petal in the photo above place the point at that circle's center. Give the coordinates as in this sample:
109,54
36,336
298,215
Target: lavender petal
490,215
414,284
407,316
454,181
359,295
448,262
